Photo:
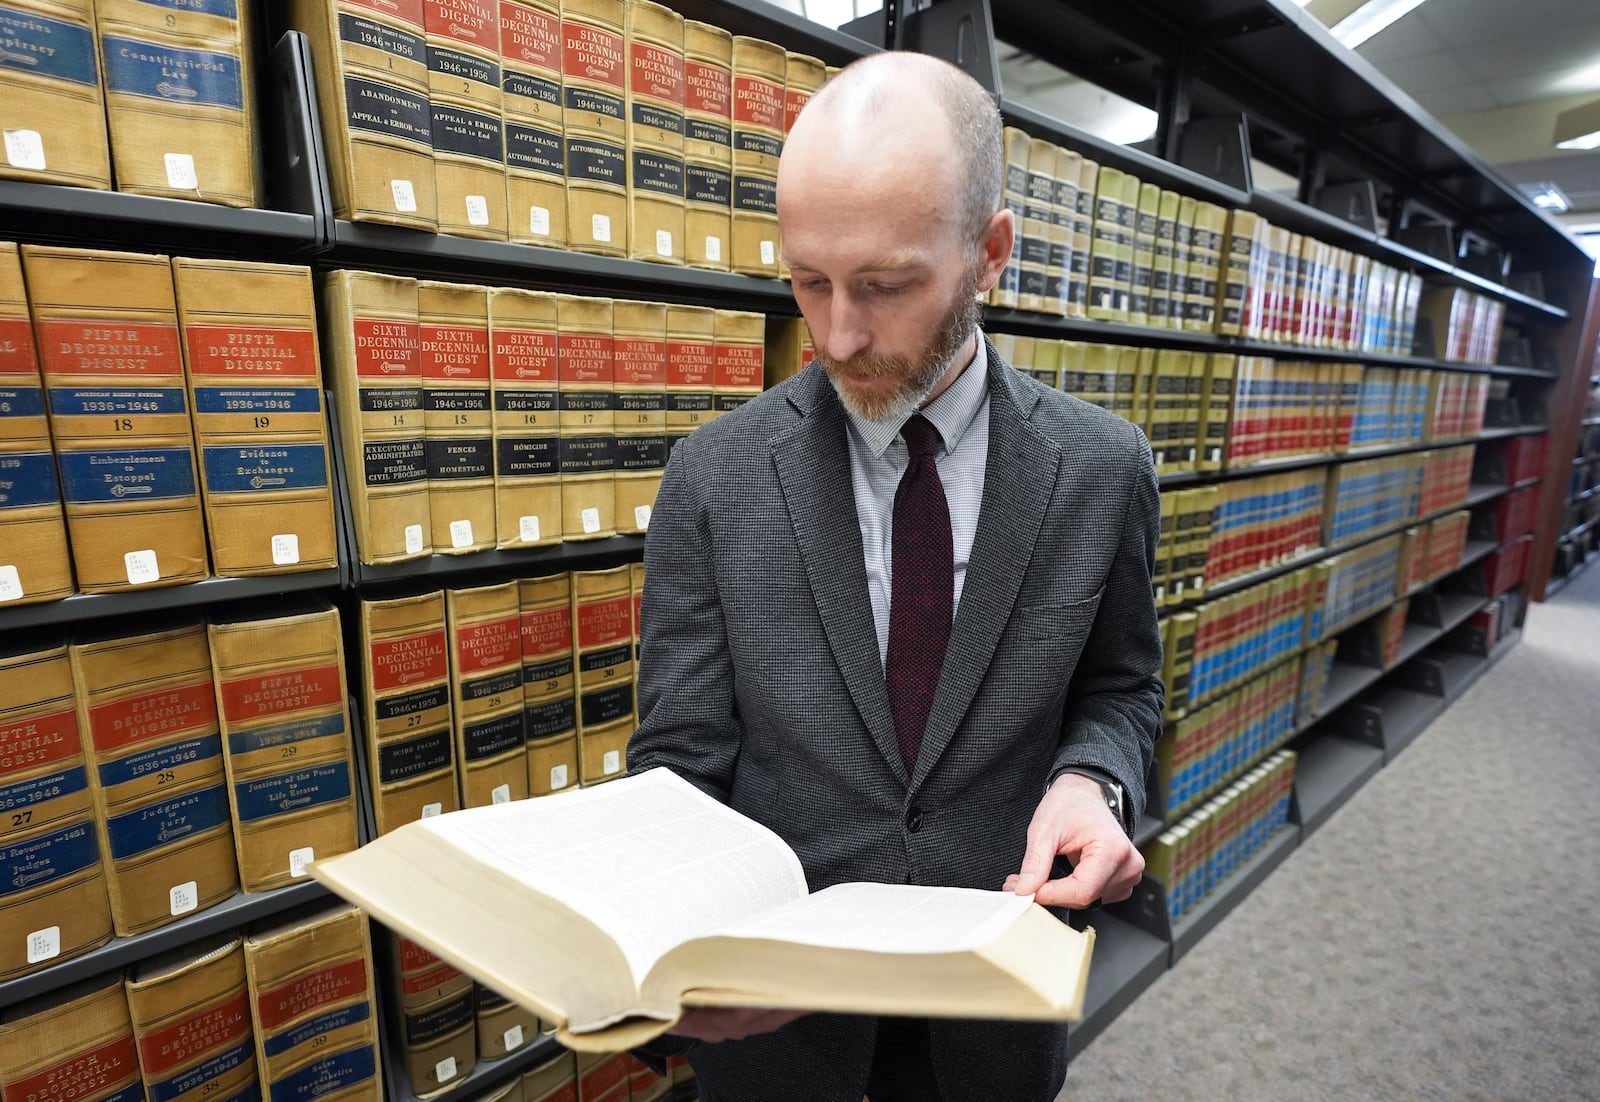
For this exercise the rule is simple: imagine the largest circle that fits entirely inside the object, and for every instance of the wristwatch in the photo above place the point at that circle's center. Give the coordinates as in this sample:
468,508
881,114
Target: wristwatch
1116,798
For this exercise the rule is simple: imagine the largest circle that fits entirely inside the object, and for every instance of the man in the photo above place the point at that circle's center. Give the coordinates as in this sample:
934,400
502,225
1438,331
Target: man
899,609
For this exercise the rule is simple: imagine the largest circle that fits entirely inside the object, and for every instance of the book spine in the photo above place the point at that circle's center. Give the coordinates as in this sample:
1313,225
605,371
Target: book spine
1038,193
192,1028
593,90
759,71
1064,263
250,347
803,75
503,1027
555,1080
55,110
437,1018
1126,236
530,84
371,68
485,629
280,689
457,415
602,629
81,1050
107,333
376,368
53,902
655,130
1102,258
603,1077
1006,292
1147,219
406,699
707,145
641,410
466,116
34,566
549,691
691,366
738,356
587,449
524,369
145,704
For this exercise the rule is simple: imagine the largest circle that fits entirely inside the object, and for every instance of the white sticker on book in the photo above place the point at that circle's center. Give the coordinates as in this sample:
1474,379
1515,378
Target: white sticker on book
513,1038
591,521
25,149
714,249
460,534
445,1070
299,859
539,221
769,253
413,539
600,227
405,196
558,777
641,516
612,762
180,171
528,527
500,794
184,897
663,242
44,944
10,584
430,810
142,567
285,549
477,210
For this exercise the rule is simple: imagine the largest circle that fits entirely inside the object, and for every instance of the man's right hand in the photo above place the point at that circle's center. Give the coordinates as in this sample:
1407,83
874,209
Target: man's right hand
715,1023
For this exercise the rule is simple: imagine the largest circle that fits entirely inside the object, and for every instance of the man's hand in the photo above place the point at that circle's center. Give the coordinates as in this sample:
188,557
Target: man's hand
1073,820
715,1023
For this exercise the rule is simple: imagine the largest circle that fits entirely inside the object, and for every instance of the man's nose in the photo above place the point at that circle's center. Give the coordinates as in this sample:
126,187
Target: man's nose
847,329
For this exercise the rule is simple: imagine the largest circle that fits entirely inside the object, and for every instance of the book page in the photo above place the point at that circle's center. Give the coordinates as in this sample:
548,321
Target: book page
650,859
888,918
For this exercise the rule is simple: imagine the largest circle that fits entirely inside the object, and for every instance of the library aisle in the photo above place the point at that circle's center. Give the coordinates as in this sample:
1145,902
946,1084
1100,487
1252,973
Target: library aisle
1435,939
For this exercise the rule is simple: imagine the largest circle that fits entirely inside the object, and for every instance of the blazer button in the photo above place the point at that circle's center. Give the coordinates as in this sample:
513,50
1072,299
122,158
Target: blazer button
914,820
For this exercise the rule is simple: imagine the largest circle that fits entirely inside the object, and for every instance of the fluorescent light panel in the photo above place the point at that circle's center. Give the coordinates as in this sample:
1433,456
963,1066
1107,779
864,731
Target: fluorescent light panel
1546,196
1370,18
1579,127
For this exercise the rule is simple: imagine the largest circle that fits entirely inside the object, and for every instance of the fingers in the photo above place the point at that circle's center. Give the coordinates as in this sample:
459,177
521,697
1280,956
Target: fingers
1036,864
1099,876
715,1024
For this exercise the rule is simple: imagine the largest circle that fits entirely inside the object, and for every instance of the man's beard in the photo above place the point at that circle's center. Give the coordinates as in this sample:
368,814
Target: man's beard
918,374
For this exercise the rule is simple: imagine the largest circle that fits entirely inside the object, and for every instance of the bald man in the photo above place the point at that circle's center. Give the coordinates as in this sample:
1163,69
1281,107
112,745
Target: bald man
899,608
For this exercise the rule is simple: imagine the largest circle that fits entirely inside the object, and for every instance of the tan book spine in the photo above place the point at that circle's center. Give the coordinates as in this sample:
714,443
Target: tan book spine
553,764
641,413
485,627
1161,273
437,1010
191,1022
146,707
74,1044
180,98
603,1077
536,171
707,145
1038,193
554,1080
588,447
1147,218
1127,234
57,908
1083,241
594,91
406,708
54,114
371,64
467,113
255,386
759,71
1014,196
788,350
316,1015
34,564
645,1085
602,627
107,332
527,431
549,690
1065,267
739,339
655,106
375,366
803,75
457,415
1103,257
280,687
691,362
503,1026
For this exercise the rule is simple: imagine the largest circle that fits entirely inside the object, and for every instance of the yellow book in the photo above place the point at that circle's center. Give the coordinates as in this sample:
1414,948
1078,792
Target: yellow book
54,104
1183,260
1216,410
655,125
1168,402
549,691
1127,234
1103,284
602,631
691,366
641,410
191,1021
1047,362
438,1015
255,386
1147,217
788,349
1161,575
467,109
1164,260
1234,288
1035,225
180,98
485,630
536,171
553,1080
759,71
107,331
738,338
707,145
1124,396
1014,194
457,415
588,447
1019,352
1060,282
1211,223
503,1028
76,1042
524,368
1144,389
594,87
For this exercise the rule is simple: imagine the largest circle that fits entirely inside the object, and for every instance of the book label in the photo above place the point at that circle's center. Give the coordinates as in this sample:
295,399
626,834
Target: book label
164,72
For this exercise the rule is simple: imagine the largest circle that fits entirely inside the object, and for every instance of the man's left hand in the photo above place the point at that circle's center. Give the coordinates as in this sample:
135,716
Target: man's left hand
1073,821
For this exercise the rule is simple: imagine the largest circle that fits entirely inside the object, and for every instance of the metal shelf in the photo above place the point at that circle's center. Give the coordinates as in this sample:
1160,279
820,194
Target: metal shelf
560,556
85,606
1327,771
1127,959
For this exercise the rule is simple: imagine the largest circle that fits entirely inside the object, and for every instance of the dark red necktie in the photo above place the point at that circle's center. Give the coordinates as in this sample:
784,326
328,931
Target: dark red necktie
922,590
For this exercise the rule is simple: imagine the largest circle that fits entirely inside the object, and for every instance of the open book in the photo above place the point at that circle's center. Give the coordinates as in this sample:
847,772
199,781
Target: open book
609,910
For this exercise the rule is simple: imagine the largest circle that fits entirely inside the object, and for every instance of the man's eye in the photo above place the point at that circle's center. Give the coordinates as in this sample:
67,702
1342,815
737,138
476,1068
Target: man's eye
813,285
885,288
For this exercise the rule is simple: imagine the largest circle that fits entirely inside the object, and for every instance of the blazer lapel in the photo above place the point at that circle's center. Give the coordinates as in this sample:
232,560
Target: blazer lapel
813,466
1019,481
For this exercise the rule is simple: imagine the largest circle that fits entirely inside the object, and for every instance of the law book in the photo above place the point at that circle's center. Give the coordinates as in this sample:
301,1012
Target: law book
593,116
107,331
759,71
190,1009
644,1085
1047,362
691,366
739,339
1161,574
280,690
616,962
553,1080
54,115
457,415
314,1006
530,83
437,1017
602,634
73,1043
1006,293
34,562
503,1027
375,365
1234,289
371,63
1205,267
255,386
603,1077
1061,273
180,98
523,363
466,108
1035,226
549,685
53,903
587,451
1147,214
655,131
484,623
405,700
641,410
1103,283
788,350
707,145
1216,410
1163,260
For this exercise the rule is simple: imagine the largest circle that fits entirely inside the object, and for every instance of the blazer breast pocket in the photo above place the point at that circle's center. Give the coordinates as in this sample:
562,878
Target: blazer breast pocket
1057,623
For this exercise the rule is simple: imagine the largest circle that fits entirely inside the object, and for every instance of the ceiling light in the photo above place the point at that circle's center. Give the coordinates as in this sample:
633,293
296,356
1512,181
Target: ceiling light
1586,79
1579,127
1370,18
1546,196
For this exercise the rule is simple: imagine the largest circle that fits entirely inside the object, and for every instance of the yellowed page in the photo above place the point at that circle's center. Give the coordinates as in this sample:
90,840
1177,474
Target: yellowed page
888,918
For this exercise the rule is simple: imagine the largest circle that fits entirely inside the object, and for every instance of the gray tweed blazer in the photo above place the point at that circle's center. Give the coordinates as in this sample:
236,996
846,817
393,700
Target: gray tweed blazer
760,682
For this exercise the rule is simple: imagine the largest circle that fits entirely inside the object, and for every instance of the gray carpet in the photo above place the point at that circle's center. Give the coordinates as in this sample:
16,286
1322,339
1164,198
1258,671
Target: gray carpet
1437,938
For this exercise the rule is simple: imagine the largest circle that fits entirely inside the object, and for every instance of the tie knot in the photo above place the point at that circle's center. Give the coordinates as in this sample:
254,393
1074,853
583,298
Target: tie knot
921,438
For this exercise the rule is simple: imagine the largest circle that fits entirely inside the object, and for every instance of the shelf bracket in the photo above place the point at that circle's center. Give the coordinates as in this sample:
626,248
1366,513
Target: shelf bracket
1218,148
958,31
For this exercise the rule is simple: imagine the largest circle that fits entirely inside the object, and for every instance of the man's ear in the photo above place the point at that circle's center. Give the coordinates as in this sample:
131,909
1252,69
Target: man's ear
994,248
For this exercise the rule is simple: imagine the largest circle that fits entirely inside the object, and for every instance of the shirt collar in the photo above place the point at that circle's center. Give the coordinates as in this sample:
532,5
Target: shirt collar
951,412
